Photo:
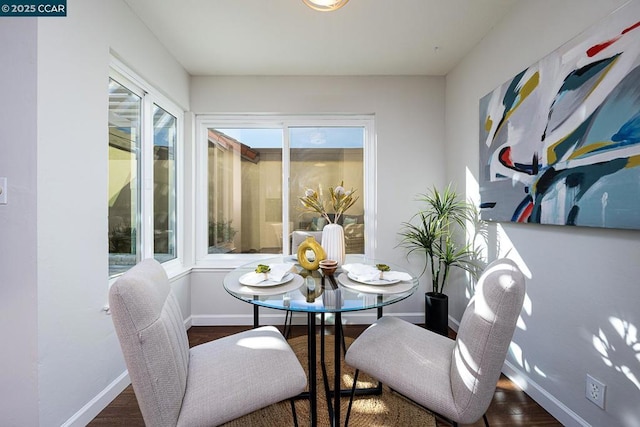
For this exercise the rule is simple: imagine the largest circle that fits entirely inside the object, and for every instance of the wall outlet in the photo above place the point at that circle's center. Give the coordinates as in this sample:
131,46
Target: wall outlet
595,391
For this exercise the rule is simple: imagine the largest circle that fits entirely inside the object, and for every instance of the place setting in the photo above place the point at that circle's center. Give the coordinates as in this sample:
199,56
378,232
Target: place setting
377,278
269,279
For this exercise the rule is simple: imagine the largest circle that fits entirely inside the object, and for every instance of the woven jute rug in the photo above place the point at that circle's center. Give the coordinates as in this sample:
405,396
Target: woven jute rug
388,409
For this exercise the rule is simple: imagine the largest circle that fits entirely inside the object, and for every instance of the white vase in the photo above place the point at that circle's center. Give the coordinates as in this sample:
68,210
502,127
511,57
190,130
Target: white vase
333,242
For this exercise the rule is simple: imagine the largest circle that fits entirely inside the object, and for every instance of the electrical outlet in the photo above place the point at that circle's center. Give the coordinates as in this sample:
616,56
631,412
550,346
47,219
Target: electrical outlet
595,391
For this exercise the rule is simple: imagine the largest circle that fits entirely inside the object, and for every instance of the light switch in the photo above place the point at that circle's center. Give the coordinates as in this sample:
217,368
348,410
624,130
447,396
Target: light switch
3,190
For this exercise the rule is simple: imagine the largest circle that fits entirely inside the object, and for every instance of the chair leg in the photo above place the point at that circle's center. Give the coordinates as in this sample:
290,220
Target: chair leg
288,318
353,393
344,342
293,412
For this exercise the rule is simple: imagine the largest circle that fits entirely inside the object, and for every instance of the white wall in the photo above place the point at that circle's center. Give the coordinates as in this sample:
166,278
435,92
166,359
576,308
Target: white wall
581,282
409,124
18,278
79,357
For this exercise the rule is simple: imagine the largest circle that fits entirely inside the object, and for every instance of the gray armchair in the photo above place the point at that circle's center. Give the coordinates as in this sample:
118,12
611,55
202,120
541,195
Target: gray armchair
454,379
206,385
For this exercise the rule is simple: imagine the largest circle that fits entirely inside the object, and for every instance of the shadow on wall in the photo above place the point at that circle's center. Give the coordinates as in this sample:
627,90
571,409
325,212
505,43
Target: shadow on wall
491,238
619,348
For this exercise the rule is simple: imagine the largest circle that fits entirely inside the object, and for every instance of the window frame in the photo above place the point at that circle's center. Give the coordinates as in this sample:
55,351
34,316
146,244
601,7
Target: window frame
284,122
150,96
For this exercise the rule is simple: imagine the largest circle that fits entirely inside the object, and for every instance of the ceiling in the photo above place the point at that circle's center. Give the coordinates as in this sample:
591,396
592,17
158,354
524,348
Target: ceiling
285,37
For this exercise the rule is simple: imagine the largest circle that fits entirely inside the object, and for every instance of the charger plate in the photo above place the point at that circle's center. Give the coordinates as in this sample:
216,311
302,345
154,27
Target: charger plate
374,282
395,288
245,277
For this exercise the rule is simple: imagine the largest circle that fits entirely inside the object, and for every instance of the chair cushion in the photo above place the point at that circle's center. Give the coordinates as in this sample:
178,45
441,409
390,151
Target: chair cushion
216,388
409,359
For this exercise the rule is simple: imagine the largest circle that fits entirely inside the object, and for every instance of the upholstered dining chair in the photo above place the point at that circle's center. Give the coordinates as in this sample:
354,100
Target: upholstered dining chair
455,379
298,236
206,385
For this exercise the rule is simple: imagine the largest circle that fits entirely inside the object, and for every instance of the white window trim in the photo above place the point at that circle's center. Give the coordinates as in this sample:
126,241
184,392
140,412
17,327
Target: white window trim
203,122
150,96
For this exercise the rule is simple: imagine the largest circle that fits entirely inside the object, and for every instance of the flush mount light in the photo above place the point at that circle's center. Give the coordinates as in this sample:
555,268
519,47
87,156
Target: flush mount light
325,5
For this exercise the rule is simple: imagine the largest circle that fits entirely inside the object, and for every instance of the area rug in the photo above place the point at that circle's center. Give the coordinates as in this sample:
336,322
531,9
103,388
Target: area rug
388,409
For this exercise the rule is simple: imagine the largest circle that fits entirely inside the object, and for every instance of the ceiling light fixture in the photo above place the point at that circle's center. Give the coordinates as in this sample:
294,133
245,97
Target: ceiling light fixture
325,5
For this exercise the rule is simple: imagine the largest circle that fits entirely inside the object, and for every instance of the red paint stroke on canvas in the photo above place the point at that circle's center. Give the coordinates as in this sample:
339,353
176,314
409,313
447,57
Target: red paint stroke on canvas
596,49
633,27
526,212
505,157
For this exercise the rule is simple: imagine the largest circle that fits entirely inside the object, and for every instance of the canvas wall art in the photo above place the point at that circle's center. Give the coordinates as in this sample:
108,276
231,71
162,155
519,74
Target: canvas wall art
560,141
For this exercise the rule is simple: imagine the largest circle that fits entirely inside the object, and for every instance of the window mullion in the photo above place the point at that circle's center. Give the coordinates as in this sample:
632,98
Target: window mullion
370,193
146,213
201,188
286,174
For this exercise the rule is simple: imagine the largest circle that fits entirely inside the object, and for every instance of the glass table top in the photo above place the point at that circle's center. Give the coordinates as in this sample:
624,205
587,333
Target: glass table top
310,291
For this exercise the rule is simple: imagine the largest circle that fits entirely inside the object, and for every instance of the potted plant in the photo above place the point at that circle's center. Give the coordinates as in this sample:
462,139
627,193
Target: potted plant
433,231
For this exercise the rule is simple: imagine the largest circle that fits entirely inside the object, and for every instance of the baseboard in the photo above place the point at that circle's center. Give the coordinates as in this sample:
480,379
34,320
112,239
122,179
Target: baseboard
543,398
89,411
188,322
454,324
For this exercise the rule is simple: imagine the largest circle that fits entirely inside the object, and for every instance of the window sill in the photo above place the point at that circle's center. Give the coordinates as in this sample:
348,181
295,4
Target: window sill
228,261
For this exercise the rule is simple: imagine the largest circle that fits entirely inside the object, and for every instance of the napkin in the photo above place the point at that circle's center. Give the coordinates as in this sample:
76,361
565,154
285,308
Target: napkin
278,271
370,273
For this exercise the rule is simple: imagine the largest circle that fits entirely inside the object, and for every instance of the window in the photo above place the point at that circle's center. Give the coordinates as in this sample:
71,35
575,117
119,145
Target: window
255,171
142,193
164,184
125,111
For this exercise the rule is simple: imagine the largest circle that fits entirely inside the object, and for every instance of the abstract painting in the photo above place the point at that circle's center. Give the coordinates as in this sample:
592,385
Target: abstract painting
560,141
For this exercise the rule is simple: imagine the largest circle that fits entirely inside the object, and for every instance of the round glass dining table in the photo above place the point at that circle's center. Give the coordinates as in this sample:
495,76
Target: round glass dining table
312,292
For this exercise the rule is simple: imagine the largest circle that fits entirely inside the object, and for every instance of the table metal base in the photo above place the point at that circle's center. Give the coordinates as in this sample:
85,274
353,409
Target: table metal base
340,349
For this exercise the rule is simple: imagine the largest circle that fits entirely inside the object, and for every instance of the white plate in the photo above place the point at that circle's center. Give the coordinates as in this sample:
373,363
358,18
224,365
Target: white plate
397,288
374,282
292,285
286,278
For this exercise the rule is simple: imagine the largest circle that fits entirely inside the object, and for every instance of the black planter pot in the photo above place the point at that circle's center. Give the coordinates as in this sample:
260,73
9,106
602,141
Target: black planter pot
436,312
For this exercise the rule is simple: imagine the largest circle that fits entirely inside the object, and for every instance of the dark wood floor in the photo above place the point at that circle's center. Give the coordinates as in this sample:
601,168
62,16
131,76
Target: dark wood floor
510,405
